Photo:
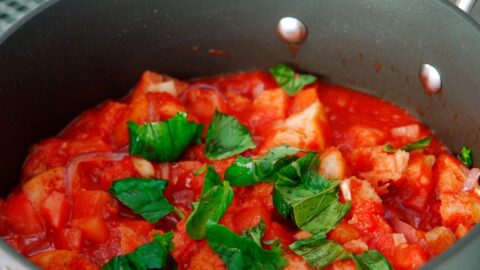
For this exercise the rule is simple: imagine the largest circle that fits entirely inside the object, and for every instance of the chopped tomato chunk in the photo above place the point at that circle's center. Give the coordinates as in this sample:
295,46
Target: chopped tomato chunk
55,209
21,216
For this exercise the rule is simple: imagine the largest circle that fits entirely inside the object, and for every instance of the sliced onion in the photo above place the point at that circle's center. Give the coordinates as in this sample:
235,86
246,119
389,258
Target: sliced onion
399,238
164,170
472,179
73,163
144,167
345,188
164,87
203,87
407,230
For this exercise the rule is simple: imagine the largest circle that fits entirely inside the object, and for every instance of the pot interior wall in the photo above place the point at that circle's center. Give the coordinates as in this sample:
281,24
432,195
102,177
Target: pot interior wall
73,56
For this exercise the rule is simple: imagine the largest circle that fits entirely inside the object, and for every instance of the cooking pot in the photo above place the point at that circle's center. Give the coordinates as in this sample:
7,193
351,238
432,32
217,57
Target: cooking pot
70,55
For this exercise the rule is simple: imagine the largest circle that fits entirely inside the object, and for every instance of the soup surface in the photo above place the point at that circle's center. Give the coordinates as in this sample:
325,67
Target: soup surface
251,170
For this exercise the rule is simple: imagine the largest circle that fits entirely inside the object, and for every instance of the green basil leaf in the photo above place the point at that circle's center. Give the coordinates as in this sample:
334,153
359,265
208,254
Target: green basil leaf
214,201
226,137
255,233
200,170
144,196
420,144
466,157
240,253
389,148
312,202
288,80
275,244
249,171
154,255
318,251
163,141
371,260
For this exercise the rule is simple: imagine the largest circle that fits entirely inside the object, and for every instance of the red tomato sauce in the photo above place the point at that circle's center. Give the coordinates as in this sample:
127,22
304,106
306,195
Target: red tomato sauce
409,206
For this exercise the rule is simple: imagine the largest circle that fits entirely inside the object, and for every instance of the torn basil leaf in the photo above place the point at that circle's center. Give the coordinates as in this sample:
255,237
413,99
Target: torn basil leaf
226,137
240,253
247,171
163,141
371,260
420,144
318,251
255,233
154,255
143,196
200,170
214,201
305,196
290,81
466,157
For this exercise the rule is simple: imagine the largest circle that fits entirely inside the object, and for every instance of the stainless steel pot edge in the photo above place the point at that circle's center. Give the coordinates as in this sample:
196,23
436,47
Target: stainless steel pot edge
24,19
5,250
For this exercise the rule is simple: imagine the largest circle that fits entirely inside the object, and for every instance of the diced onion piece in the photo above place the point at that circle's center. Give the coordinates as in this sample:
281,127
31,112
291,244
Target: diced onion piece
399,238
407,230
164,170
345,188
411,132
163,87
144,167
472,179
477,191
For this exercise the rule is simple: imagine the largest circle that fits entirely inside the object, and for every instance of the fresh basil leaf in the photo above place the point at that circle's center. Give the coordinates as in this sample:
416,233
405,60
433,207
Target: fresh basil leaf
420,144
371,260
240,253
466,157
290,81
144,196
154,255
200,170
255,233
275,245
318,251
389,148
305,196
214,201
242,172
163,141
226,137
247,171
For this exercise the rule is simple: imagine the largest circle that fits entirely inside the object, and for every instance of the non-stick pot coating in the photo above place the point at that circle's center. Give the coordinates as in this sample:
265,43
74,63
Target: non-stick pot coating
75,54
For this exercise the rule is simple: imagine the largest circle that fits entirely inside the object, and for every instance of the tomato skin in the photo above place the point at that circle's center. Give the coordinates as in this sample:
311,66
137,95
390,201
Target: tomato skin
129,239
278,231
90,210
114,171
21,216
245,218
139,226
303,100
94,203
55,209
343,233
98,122
93,228
408,257
69,238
